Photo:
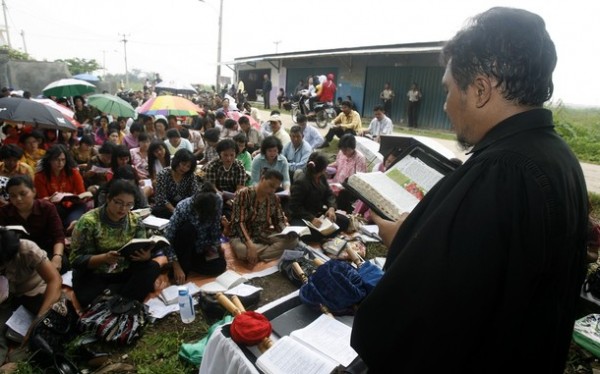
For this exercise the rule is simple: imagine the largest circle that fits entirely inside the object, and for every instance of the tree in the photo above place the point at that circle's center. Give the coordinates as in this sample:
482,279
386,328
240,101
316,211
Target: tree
80,65
14,54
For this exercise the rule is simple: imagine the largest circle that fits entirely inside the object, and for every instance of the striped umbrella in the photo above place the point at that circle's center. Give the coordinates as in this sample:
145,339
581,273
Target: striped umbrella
68,87
66,111
169,105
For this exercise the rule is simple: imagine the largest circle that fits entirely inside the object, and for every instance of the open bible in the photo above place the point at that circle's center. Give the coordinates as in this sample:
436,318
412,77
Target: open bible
153,242
400,188
57,197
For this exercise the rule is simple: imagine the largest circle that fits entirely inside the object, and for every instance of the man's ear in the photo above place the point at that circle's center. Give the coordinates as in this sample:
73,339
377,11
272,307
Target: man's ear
483,90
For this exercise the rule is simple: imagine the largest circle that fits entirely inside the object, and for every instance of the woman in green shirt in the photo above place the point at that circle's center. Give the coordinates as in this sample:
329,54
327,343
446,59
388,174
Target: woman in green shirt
97,237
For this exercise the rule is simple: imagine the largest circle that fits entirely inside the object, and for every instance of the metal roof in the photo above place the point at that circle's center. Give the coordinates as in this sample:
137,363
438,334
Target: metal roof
427,47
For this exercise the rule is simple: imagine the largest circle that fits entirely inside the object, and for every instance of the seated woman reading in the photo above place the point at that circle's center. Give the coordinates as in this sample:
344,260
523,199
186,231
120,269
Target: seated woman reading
311,197
39,217
257,214
194,232
32,280
97,237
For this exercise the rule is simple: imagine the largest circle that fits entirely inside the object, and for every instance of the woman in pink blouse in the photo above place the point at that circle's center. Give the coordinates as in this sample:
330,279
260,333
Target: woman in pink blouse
348,161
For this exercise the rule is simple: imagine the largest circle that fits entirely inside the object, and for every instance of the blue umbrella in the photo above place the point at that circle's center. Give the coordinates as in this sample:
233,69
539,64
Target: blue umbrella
87,77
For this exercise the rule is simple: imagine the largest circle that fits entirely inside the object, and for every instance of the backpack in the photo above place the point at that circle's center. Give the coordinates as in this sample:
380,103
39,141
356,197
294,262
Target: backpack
114,318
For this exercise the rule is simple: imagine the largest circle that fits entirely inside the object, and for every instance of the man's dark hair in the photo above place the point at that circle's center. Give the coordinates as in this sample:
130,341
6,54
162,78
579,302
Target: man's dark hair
379,108
136,127
244,119
212,135
106,148
510,45
229,123
269,173
35,134
296,130
224,145
347,103
173,133
301,118
10,151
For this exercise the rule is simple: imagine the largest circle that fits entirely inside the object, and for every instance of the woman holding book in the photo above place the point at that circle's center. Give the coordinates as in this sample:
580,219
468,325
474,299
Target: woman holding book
257,215
175,183
194,232
39,217
59,174
33,282
97,238
312,199
226,173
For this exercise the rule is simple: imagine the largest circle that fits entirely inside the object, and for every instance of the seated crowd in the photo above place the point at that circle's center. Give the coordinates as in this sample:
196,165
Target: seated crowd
213,181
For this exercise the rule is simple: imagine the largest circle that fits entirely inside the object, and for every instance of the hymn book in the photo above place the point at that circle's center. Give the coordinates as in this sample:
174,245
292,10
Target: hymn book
316,349
326,228
224,282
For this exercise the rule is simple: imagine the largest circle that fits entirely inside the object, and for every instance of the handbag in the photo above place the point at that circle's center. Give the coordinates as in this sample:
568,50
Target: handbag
51,331
114,318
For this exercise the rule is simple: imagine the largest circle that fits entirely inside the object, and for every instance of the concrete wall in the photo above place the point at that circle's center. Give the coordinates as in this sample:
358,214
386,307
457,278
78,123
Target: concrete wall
31,76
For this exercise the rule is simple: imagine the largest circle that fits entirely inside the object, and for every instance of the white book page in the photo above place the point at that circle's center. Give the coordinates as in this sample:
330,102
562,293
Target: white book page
330,337
243,290
288,356
20,320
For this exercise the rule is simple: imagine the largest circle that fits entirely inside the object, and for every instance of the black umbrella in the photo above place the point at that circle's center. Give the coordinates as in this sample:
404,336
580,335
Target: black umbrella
31,112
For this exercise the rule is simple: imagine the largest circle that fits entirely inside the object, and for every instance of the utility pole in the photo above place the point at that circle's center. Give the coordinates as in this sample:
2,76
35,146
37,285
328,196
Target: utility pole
124,40
23,38
6,24
217,85
219,45
277,45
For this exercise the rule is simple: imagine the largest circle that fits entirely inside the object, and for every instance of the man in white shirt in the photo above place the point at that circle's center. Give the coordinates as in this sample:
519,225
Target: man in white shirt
278,130
175,142
380,125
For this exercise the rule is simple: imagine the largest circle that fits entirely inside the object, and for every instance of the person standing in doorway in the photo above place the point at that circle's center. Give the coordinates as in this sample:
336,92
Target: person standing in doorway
414,99
386,96
267,87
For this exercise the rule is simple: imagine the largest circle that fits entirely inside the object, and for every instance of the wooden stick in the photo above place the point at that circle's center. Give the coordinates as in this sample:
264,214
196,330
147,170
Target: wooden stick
299,272
231,307
237,302
354,256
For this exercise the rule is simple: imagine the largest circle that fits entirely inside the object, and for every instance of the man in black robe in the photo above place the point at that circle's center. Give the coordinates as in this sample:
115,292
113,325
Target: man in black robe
484,275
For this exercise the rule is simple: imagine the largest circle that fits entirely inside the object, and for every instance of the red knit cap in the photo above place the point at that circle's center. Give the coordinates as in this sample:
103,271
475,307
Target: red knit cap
250,328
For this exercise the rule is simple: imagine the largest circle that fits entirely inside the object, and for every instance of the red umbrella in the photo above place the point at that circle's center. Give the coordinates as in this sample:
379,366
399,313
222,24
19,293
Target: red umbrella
66,111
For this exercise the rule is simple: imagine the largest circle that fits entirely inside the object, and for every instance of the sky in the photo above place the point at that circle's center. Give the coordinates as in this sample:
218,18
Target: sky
178,38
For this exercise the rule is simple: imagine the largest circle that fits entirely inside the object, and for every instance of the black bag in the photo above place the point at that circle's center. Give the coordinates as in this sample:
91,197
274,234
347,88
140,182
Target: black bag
51,331
304,257
113,318
592,283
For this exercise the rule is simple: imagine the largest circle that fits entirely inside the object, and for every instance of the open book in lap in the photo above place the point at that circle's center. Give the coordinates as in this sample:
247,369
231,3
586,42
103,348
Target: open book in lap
57,197
154,242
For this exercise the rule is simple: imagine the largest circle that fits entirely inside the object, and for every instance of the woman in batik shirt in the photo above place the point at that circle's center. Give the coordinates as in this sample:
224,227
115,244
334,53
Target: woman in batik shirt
257,214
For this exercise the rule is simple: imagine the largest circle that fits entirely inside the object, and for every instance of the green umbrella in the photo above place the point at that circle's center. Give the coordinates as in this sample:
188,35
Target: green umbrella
111,104
68,87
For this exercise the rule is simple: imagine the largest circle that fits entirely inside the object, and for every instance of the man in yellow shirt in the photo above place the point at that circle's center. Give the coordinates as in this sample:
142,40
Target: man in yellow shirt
347,122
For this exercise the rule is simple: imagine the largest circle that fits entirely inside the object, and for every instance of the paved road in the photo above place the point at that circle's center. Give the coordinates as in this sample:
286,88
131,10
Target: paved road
590,171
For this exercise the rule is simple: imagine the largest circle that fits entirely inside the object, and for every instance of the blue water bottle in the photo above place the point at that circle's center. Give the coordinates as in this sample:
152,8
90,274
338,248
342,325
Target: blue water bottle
186,305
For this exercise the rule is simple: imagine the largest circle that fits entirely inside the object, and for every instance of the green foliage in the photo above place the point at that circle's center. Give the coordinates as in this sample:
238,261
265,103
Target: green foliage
78,65
14,54
157,350
580,128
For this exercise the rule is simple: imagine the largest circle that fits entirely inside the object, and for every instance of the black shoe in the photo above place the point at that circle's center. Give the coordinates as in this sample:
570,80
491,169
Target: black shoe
324,145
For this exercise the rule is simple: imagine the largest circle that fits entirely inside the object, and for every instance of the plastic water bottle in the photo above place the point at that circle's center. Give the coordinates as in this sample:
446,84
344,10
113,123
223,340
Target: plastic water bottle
186,305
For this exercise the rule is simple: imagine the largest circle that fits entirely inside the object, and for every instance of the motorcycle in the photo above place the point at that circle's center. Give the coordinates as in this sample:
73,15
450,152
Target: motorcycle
323,115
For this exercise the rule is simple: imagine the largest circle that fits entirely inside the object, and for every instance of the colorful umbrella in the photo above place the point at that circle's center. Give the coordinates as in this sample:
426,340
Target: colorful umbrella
66,111
112,104
169,105
68,87
33,113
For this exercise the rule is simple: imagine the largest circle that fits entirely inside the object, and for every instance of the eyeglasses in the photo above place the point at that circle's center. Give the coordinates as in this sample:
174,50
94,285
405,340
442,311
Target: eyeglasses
123,204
